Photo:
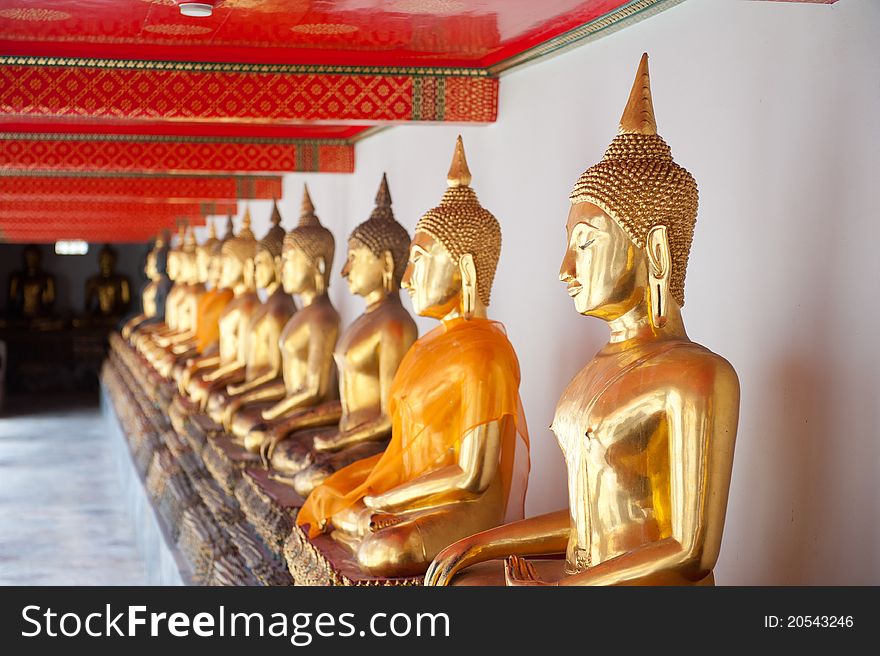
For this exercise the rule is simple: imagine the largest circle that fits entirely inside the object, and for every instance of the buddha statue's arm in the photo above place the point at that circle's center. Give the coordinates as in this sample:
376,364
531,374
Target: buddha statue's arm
316,380
272,370
537,536
124,292
391,352
469,478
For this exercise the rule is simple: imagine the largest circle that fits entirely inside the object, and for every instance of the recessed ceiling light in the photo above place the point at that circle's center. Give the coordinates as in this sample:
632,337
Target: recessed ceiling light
71,247
196,9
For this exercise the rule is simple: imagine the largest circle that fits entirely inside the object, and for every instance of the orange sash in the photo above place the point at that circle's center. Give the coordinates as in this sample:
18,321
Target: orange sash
461,375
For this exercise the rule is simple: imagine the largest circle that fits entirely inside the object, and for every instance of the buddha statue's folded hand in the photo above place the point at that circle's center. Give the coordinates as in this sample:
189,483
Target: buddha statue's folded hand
520,572
271,439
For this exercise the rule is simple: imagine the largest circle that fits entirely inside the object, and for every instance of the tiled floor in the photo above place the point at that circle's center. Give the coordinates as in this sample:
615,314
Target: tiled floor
62,519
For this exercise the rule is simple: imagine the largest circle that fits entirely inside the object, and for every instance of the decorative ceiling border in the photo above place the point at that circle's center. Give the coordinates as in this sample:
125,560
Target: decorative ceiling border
163,138
112,154
622,17
48,92
232,67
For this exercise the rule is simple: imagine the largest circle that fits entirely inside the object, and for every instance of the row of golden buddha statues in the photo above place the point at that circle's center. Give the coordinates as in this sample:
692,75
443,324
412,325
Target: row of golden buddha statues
31,292
415,461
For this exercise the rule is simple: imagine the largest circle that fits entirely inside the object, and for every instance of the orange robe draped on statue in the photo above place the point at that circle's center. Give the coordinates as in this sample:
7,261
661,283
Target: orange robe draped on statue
459,376
210,307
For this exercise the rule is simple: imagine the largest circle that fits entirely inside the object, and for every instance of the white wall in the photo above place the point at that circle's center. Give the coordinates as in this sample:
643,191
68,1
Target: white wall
774,109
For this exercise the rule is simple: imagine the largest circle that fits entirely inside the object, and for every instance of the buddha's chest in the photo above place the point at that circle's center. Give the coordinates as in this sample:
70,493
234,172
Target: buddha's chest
357,351
612,430
148,299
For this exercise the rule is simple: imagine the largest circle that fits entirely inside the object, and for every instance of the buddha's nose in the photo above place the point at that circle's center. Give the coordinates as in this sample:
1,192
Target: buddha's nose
406,281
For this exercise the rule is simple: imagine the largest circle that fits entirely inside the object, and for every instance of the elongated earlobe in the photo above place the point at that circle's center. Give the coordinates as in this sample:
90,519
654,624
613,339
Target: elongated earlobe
468,285
388,272
320,278
659,267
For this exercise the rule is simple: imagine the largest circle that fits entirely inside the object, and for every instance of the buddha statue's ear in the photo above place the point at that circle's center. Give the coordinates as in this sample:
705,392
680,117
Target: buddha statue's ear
659,268
320,278
278,264
388,271
468,285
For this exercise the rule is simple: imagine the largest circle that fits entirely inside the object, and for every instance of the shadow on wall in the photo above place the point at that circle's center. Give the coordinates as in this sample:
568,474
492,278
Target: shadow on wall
793,502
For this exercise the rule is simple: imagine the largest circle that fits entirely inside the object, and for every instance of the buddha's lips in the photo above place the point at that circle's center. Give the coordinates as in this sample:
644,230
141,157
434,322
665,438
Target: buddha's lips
574,290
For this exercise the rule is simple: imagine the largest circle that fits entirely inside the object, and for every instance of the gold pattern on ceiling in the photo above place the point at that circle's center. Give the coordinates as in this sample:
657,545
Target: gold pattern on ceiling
33,14
436,7
177,29
325,29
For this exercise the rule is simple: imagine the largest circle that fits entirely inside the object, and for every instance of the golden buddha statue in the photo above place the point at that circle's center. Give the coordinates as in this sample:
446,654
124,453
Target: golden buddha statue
201,351
31,290
228,365
144,340
160,351
108,294
155,291
458,456
307,340
195,266
367,357
648,427
263,357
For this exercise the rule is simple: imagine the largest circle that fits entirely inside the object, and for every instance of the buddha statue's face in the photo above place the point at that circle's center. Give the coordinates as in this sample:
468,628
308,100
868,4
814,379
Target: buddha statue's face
203,264
32,259
605,271
363,270
231,270
106,263
264,268
297,270
432,278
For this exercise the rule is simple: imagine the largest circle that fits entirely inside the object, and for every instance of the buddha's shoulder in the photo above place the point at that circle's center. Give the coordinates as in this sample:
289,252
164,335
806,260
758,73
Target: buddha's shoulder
692,364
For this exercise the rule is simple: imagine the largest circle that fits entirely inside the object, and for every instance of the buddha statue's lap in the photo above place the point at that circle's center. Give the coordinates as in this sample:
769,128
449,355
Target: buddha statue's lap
647,428
454,463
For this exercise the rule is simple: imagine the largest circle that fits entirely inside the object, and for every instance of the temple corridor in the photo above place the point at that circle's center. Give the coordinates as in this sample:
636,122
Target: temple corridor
62,516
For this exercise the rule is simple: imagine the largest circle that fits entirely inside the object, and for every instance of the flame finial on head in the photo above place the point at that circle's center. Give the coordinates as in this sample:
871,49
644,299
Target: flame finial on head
459,174
307,211
638,115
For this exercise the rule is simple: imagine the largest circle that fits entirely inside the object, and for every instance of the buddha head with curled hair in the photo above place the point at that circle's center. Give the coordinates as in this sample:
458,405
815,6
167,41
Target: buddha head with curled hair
455,250
631,221
237,255
307,253
377,250
267,261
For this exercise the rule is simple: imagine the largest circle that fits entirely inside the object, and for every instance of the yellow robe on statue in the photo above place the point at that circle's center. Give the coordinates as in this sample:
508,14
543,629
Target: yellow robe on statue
459,376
